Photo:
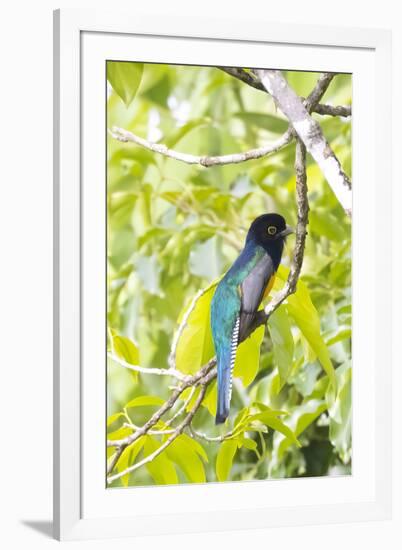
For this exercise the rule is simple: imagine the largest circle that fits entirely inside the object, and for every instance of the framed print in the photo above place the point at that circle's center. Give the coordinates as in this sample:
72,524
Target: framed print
217,359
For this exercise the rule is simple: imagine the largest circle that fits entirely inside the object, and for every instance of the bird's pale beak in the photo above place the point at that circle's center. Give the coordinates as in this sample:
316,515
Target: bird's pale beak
288,231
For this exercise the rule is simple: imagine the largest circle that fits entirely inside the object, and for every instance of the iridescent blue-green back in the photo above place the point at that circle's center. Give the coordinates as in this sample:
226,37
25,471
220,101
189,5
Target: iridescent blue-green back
225,310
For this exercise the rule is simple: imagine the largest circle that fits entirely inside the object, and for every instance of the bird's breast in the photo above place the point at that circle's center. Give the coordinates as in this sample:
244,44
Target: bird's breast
269,286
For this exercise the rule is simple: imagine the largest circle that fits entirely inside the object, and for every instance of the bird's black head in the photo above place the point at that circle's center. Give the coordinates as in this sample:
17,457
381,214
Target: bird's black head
268,230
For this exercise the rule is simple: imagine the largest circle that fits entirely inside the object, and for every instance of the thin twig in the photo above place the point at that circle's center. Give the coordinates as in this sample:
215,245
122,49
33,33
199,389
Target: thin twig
182,408
122,444
323,81
235,158
203,376
148,370
333,110
150,432
178,431
211,439
207,161
244,76
301,233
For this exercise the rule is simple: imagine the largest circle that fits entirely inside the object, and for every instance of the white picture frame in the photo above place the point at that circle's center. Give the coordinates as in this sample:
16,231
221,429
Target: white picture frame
83,508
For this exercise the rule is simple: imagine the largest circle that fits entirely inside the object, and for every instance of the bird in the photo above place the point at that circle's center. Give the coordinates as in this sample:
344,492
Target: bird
239,294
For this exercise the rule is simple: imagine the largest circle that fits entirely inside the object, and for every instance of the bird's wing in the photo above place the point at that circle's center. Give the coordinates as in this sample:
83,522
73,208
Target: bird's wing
257,284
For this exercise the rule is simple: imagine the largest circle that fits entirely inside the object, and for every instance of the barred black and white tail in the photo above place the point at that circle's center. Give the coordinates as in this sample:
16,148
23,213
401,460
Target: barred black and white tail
226,363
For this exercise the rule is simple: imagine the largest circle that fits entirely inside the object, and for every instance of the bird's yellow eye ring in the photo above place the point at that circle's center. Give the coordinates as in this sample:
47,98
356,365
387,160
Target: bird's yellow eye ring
272,230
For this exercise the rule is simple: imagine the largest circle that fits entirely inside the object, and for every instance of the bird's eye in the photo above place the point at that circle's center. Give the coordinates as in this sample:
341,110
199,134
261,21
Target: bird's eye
271,230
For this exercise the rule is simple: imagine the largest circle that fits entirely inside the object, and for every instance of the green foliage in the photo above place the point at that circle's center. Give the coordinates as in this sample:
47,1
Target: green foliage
271,123
189,456
173,230
128,457
125,79
306,317
144,400
195,346
161,468
224,460
124,348
280,332
248,357
340,427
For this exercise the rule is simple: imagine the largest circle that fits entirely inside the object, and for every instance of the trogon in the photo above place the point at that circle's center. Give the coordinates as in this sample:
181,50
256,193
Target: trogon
239,294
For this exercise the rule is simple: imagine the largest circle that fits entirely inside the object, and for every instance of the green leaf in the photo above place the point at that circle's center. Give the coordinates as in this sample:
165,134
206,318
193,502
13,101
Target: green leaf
277,424
302,310
242,416
247,361
145,401
128,457
142,218
174,137
244,420
268,411
305,378
267,122
121,205
159,92
196,446
125,78
324,223
161,468
265,390
210,399
300,419
249,444
124,348
113,417
195,346
110,451
344,334
121,433
183,453
345,310
224,459
340,425
282,342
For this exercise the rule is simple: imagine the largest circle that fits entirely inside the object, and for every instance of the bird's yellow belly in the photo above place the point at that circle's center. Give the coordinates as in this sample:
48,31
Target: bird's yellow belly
269,286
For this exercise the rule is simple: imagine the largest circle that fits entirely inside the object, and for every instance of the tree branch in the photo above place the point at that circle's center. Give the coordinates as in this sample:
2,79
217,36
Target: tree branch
251,80
149,432
203,376
145,370
182,409
235,158
331,110
323,81
216,439
178,431
301,233
310,133
246,77
206,161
